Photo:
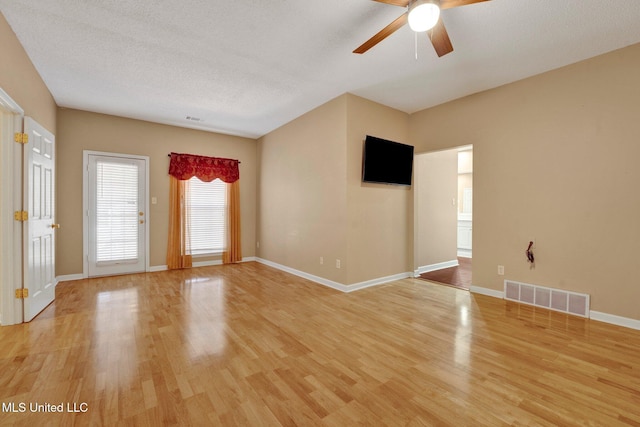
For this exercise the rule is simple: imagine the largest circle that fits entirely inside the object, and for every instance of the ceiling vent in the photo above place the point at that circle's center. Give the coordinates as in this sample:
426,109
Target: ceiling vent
194,119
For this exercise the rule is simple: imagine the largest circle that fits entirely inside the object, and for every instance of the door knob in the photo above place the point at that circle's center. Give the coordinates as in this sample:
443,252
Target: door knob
55,225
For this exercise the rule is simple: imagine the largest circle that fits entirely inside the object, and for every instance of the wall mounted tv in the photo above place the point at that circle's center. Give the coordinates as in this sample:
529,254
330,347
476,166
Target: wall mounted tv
386,162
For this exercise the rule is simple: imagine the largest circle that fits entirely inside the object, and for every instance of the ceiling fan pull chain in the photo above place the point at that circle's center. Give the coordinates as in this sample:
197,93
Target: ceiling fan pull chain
415,39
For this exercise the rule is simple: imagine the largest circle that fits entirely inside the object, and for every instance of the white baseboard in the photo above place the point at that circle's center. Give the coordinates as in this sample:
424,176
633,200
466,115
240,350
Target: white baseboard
69,277
593,315
156,268
486,291
330,283
378,281
206,263
464,253
317,279
434,267
615,320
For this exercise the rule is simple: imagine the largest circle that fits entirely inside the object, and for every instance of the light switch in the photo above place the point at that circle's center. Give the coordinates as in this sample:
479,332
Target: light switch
154,200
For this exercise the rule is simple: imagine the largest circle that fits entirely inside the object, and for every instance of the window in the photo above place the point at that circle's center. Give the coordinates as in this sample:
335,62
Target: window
116,211
207,206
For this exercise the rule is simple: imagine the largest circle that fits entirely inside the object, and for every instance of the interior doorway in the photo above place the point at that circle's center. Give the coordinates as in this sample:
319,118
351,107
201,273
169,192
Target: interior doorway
11,121
27,215
443,203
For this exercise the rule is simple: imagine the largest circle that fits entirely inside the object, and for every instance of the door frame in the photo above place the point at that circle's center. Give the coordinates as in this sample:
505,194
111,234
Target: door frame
85,205
419,264
11,311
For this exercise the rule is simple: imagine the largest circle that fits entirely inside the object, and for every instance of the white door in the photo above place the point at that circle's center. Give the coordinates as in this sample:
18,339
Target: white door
116,214
39,229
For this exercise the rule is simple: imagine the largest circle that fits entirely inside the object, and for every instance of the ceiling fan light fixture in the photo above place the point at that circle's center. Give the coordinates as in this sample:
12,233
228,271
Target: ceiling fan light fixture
423,15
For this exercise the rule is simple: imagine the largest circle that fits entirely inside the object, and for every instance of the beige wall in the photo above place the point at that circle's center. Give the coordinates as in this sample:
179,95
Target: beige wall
555,159
302,196
313,203
380,217
19,79
436,219
80,130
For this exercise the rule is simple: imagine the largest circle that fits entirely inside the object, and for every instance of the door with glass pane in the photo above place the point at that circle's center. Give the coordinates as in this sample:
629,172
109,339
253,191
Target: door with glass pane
116,215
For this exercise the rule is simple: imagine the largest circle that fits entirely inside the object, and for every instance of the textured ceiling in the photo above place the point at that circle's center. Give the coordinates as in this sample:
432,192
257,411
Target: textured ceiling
246,67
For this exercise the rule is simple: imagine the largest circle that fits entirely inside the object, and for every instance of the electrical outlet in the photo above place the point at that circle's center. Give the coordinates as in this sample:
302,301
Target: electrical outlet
258,245
337,263
321,260
501,270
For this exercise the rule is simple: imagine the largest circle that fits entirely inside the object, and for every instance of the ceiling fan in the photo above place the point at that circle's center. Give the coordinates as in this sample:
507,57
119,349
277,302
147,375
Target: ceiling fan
422,15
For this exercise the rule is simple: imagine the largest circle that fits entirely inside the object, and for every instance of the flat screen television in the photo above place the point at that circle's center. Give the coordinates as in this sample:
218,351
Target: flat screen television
386,162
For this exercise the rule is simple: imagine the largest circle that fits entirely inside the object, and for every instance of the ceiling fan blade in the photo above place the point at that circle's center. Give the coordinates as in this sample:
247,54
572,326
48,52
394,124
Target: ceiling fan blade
440,39
448,4
382,34
401,3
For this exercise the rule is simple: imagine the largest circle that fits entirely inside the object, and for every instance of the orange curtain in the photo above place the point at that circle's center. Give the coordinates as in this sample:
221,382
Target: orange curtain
181,168
178,251
233,253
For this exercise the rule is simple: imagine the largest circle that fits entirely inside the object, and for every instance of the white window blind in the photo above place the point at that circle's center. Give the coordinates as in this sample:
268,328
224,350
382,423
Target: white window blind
116,212
207,204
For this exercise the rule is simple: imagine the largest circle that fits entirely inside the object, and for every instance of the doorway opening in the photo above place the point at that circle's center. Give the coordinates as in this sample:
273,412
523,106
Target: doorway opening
444,216
27,215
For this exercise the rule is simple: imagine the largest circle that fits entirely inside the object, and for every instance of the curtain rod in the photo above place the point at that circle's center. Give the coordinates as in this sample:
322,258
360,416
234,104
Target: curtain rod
169,155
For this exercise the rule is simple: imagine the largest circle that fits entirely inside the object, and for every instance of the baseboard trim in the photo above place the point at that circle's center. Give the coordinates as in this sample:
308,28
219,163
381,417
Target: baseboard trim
156,268
465,253
612,319
206,263
330,283
434,267
615,320
486,291
196,264
69,277
313,278
377,282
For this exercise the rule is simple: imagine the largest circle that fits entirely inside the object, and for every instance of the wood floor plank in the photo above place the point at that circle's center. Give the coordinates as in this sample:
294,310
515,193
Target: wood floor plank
250,345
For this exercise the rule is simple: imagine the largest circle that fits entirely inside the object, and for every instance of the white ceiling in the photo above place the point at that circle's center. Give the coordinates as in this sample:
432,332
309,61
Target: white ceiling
246,67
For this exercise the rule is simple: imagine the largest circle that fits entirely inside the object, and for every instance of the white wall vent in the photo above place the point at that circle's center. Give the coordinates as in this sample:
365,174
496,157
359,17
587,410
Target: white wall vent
553,299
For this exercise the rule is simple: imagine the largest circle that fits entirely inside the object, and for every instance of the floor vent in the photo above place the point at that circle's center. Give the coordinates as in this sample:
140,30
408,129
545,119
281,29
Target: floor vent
553,299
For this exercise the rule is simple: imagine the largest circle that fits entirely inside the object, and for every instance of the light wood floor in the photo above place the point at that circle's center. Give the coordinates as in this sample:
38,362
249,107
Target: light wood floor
248,345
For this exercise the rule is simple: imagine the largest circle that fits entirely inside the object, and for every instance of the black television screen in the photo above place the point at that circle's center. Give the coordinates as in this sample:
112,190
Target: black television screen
386,162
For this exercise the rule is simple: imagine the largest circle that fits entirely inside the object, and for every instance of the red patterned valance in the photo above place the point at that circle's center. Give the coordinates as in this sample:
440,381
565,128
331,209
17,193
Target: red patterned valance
186,166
